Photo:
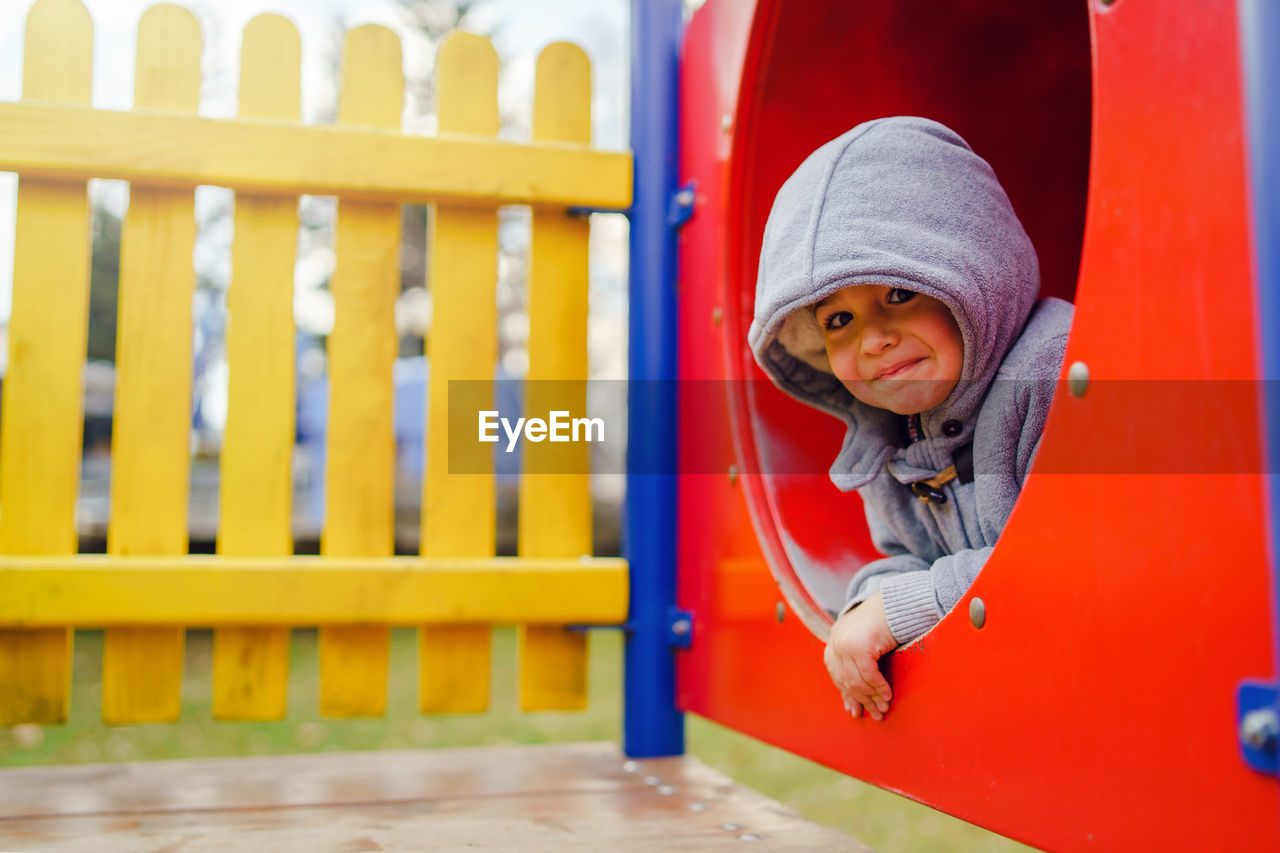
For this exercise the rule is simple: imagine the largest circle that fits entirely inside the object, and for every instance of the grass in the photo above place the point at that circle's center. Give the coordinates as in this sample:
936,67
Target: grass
877,818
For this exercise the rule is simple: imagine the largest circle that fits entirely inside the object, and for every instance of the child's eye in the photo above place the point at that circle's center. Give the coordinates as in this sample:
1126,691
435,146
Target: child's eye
837,319
898,295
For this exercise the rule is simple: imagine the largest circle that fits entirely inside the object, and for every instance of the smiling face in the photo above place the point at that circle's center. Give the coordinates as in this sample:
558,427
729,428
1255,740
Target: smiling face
892,348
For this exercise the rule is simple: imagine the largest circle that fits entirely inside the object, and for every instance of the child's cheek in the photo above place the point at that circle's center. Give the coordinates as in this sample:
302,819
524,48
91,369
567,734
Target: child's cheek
844,363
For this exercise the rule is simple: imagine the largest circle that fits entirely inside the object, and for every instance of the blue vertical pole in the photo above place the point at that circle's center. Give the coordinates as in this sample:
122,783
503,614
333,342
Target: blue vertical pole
651,724
1260,49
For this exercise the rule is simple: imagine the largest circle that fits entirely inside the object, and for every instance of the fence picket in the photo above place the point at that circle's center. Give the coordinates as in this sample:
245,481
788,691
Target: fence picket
555,508
43,392
142,667
459,517
359,506
251,665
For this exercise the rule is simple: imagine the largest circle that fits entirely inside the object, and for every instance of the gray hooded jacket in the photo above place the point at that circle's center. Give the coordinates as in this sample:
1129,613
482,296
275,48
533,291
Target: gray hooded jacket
905,202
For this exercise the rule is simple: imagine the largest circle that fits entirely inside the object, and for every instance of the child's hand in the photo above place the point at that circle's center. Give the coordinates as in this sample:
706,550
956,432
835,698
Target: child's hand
857,641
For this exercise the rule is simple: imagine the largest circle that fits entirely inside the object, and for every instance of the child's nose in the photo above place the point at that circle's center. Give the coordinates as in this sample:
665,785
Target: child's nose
877,338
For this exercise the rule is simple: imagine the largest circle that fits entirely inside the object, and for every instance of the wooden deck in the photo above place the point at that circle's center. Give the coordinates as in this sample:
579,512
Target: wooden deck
562,797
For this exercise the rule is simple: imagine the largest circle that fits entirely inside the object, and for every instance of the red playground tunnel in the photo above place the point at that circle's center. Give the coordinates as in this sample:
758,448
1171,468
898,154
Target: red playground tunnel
1129,597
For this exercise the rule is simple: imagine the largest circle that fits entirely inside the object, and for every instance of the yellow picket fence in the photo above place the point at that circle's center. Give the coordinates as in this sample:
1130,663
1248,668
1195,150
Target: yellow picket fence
147,590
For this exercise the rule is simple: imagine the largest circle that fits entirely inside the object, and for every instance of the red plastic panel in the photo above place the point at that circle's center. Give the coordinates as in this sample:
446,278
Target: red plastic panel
1096,706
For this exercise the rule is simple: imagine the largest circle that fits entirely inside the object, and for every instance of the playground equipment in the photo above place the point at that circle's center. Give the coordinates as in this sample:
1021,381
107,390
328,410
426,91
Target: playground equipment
1108,681
1085,691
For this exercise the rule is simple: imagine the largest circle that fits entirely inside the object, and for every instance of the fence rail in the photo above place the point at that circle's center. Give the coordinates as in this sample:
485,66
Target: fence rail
147,589
69,142
96,591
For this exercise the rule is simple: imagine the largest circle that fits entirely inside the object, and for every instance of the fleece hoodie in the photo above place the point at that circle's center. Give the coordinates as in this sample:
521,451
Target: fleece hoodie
905,202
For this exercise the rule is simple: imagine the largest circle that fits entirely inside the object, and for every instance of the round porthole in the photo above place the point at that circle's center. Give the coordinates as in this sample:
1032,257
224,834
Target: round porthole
1014,81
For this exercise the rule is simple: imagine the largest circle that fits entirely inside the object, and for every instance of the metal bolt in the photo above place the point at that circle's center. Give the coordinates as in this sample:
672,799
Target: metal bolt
733,473
726,123
1260,728
681,627
685,198
716,316
1078,378
779,612
977,612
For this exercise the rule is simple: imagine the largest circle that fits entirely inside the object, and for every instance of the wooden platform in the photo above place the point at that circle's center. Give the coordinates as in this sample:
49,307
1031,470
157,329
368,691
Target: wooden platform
562,797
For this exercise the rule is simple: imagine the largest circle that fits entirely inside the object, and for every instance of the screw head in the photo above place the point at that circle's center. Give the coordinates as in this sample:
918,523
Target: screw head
726,123
1078,379
977,612
681,627
1260,729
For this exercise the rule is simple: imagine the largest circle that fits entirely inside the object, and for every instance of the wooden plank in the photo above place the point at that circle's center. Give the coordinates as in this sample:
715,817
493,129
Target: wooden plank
202,590
142,668
40,422
459,510
251,665
360,467
561,797
284,158
555,508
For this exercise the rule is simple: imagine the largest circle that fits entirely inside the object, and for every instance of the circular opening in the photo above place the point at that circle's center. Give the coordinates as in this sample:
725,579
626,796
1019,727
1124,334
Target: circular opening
1012,78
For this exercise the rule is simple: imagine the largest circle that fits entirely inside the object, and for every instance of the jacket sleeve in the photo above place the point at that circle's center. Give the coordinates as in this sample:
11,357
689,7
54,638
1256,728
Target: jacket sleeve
916,595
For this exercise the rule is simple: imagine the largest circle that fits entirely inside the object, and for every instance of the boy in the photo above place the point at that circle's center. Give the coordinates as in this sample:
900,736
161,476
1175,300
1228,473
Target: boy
896,286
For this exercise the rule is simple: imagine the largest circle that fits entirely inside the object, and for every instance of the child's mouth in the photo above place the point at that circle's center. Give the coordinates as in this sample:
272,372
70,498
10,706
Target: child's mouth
897,369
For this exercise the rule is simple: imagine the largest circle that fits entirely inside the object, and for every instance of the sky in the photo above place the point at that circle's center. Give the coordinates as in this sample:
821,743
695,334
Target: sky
520,29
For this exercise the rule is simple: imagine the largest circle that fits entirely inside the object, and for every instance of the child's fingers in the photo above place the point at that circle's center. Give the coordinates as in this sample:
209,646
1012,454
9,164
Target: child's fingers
853,690
860,683
859,698
878,692
864,702
869,670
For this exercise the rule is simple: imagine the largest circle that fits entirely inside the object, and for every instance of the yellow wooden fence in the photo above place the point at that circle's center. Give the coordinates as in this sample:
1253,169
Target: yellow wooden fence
147,590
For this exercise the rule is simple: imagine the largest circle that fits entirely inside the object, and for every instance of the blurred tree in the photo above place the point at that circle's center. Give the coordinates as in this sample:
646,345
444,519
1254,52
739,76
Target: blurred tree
104,282
427,22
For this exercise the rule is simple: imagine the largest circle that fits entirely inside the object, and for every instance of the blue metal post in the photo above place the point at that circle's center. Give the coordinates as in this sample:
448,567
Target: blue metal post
1260,48
651,724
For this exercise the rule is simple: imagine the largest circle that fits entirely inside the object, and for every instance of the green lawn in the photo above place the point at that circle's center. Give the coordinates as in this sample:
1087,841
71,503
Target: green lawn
882,820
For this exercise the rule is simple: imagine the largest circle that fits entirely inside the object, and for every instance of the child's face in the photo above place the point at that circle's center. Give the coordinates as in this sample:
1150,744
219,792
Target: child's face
892,348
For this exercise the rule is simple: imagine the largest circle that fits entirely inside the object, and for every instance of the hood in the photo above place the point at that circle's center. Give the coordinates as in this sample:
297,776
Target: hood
902,202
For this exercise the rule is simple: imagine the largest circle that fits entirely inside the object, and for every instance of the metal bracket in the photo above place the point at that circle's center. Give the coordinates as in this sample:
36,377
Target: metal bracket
585,211
680,207
1258,726
584,627
679,628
